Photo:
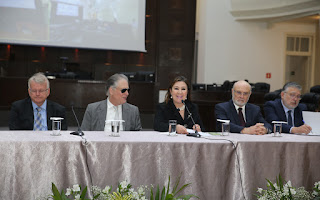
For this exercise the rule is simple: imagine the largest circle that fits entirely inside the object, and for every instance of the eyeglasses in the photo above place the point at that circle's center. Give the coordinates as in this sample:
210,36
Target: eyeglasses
293,95
125,89
36,91
241,93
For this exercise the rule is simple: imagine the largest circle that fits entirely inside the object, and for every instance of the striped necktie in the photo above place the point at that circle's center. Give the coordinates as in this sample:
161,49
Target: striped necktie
37,121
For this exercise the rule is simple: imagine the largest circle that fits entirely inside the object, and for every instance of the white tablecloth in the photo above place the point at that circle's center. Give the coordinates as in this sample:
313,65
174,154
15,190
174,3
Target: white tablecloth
231,168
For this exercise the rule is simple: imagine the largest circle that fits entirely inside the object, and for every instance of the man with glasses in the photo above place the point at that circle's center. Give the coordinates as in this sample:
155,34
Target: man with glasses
98,115
288,109
34,112
244,117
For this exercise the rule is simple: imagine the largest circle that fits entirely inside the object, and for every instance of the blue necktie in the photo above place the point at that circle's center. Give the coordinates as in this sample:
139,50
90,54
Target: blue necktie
290,118
37,121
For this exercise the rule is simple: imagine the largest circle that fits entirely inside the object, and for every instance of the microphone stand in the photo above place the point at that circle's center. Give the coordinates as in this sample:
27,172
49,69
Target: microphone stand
79,132
196,134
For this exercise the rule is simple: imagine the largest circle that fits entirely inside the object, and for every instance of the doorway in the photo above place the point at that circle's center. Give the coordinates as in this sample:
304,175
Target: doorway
299,66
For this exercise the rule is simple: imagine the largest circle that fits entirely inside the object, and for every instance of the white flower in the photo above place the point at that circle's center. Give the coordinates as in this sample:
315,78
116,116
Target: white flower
260,190
77,197
143,198
124,184
286,191
140,190
289,184
76,188
68,192
315,193
106,189
134,195
293,191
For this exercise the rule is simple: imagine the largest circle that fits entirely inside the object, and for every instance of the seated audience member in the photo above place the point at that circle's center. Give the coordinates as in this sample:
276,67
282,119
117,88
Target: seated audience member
34,112
115,107
244,117
173,109
288,109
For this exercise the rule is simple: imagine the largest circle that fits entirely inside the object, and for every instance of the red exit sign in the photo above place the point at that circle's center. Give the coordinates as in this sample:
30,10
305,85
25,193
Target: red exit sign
268,75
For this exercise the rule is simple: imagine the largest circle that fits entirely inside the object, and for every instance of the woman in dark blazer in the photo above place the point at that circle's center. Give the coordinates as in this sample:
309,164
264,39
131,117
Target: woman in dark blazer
173,108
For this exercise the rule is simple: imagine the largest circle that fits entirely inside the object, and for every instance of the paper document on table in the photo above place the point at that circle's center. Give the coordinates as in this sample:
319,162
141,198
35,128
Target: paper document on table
312,119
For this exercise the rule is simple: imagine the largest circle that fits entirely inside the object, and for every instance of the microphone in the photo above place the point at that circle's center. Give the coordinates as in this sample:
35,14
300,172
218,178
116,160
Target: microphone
196,134
79,132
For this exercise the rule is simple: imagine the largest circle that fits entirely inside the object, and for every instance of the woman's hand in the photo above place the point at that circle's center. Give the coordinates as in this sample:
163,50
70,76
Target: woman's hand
196,127
181,129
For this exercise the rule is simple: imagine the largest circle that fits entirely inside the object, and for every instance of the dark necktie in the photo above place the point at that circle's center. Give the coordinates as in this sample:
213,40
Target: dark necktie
242,122
290,118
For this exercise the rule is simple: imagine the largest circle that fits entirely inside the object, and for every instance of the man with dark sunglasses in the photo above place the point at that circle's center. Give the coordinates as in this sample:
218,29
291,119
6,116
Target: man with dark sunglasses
99,114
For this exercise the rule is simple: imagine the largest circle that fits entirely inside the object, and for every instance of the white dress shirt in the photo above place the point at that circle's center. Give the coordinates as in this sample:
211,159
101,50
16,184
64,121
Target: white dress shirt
113,113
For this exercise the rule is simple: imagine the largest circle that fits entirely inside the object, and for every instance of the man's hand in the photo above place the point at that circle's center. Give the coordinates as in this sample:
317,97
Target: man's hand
301,129
258,129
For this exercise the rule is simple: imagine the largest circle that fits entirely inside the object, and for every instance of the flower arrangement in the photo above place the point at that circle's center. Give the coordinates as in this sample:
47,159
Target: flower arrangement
124,191
282,190
316,191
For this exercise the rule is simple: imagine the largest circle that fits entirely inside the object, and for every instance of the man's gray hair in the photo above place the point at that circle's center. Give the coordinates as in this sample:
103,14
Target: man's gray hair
113,81
39,78
291,84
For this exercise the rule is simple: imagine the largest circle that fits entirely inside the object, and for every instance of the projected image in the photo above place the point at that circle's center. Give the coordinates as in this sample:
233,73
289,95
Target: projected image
107,24
23,20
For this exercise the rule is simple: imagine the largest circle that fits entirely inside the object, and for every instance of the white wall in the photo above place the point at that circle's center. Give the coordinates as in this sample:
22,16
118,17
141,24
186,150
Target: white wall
234,50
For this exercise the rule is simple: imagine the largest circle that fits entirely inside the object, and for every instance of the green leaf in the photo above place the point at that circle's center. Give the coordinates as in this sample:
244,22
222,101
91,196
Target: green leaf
84,192
163,193
158,193
168,186
176,185
55,191
271,185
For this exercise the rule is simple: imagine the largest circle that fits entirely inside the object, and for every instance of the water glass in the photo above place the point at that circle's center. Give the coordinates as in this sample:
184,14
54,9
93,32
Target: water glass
115,127
225,127
56,125
277,128
172,127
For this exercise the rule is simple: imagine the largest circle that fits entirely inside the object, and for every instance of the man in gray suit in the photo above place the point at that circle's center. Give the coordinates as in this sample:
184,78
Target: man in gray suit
115,107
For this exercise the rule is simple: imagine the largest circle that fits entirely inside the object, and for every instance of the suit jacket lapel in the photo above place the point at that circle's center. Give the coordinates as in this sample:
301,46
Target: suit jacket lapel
281,112
297,117
29,112
102,114
126,116
49,114
234,113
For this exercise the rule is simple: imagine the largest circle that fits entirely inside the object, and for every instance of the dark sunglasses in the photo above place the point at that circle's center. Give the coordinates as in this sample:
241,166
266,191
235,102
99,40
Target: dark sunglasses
124,90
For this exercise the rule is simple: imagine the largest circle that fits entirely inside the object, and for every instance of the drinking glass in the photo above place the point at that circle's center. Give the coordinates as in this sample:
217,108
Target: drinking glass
172,127
56,125
115,127
277,128
225,129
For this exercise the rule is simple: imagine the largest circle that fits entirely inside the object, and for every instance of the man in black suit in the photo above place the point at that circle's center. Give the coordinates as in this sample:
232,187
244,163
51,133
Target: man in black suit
34,112
288,109
244,117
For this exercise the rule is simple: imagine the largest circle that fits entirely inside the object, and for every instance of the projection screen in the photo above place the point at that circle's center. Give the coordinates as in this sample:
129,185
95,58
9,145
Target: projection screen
97,24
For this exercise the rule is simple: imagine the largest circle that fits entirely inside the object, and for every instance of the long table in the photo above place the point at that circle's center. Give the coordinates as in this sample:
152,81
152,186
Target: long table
218,167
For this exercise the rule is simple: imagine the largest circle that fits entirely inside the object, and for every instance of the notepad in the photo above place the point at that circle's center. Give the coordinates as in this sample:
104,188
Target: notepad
312,119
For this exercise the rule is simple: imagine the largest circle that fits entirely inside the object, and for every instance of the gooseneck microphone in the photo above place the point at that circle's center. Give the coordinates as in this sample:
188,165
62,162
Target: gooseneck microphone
196,134
79,132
